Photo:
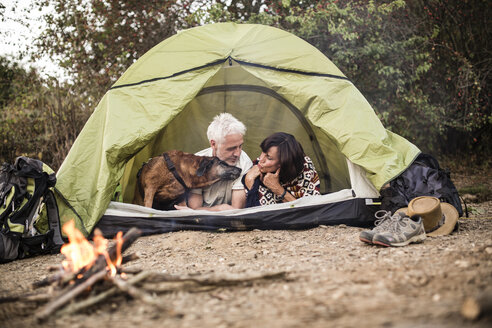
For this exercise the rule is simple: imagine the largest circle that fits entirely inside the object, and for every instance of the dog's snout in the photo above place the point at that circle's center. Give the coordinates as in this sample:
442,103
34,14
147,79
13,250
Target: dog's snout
236,172
228,172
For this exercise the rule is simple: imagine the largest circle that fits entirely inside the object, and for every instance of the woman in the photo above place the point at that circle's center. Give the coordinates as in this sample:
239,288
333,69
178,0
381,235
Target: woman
282,173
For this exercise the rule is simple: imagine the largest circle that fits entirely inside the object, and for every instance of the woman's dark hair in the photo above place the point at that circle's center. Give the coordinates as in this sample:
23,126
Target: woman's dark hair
290,153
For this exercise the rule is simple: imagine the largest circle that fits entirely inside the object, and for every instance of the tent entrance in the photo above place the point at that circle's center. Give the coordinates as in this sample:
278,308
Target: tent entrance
261,109
304,128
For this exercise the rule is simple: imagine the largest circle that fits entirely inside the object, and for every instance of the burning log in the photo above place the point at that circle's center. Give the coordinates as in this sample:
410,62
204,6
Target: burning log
88,276
64,278
114,253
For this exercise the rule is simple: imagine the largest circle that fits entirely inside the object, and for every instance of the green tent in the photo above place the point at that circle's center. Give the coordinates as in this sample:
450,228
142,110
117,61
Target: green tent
269,79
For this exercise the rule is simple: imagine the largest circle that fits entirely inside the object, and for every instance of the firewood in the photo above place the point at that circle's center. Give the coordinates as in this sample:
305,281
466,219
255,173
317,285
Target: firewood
163,277
78,306
135,292
29,297
101,263
63,278
60,276
164,283
476,306
65,297
95,273
131,270
129,258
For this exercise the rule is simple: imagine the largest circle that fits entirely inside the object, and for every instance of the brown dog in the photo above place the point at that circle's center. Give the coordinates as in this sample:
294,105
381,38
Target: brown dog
165,180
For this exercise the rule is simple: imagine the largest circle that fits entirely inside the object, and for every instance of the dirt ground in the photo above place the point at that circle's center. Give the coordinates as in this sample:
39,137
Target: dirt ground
331,279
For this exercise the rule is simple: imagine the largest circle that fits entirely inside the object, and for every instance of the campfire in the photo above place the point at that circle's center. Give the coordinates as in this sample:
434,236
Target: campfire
86,264
81,254
94,271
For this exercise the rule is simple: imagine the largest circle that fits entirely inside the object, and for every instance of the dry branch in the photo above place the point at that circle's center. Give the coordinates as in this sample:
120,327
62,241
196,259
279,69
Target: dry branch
218,281
162,283
29,297
135,292
75,307
68,295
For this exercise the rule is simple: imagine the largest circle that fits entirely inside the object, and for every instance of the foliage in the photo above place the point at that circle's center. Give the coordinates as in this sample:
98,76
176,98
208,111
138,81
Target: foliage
482,192
97,40
217,11
41,118
399,56
8,72
424,65
459,78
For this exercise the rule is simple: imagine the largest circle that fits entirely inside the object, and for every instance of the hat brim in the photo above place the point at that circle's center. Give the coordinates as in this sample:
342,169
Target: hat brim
450,218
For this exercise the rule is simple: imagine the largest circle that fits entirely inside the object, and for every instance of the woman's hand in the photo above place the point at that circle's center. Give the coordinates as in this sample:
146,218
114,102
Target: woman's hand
271,181
251,176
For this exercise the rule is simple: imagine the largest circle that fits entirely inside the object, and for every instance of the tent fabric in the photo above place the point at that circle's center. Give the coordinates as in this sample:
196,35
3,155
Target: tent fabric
269,79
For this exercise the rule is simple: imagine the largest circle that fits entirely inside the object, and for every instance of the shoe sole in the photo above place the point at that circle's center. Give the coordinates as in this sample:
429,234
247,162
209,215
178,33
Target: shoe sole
414,239
365,240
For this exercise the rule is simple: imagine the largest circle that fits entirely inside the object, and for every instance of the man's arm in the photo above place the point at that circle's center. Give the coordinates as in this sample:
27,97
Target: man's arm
238,198
195,202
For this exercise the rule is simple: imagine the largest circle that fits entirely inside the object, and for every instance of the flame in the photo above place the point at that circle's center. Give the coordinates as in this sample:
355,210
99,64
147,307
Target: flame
80,253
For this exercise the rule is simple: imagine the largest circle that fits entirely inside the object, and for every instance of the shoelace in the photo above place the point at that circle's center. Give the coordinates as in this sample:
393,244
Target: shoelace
383,216
398,224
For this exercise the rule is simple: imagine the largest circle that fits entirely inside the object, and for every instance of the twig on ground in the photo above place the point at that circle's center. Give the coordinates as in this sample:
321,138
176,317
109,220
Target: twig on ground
66,296
75,307
135,292
29,297
167,283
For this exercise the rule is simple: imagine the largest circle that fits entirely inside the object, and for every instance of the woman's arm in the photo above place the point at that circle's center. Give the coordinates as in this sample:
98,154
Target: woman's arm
271,181
250,176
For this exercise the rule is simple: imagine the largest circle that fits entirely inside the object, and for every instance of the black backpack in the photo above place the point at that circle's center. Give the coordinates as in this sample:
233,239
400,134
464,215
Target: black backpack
25,188
423,177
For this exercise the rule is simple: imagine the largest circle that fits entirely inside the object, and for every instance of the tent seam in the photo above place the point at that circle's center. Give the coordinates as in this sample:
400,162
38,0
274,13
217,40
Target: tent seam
221,61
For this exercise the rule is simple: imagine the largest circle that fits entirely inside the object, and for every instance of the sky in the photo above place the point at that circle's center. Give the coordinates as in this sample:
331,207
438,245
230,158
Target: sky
15,36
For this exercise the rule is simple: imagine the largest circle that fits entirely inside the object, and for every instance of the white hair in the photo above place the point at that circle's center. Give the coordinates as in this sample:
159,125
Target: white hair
223,125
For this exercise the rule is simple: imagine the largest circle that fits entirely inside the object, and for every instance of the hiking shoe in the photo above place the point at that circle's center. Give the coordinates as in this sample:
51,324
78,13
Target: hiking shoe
384,220
402,232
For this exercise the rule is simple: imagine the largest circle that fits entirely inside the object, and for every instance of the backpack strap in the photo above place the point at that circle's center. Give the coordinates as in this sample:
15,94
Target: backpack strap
53,218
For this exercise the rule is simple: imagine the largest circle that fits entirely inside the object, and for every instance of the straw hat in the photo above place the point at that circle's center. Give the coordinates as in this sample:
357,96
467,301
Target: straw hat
439,218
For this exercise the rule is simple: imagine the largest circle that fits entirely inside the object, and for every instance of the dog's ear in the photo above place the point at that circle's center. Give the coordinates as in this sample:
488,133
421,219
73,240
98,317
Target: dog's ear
204,166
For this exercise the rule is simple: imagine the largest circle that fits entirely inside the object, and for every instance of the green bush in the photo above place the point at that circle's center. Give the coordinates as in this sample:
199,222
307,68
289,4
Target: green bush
423,65
41,118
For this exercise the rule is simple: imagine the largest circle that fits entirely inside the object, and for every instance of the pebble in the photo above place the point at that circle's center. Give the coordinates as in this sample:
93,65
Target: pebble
462,264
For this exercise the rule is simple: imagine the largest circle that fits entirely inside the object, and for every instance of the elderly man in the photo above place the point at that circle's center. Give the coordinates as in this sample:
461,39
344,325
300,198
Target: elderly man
225,135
